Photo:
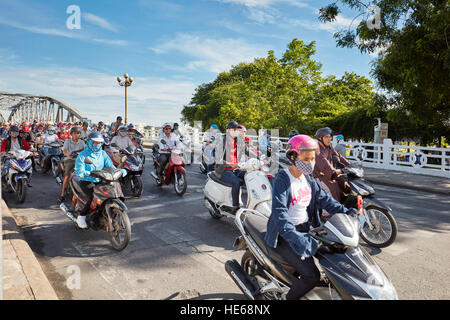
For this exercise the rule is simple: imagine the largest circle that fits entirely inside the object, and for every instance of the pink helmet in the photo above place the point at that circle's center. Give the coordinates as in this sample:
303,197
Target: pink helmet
241,127
300,143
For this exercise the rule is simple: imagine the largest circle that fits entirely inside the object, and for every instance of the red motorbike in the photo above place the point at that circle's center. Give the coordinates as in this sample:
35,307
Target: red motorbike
175,171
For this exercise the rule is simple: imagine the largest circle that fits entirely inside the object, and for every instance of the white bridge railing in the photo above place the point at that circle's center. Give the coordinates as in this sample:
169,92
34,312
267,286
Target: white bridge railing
387,156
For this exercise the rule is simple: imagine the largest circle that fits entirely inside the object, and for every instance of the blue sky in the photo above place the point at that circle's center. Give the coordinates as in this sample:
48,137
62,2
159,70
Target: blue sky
168,47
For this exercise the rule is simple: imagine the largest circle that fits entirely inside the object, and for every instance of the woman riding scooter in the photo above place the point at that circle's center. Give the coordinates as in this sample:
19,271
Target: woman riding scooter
100,158
296,197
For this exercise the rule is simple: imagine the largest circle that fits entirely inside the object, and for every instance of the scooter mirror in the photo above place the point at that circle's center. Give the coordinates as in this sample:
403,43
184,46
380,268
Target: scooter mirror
163,141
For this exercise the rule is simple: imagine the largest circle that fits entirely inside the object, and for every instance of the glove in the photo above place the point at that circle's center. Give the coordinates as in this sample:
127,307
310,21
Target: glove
324,250
352,212
124,172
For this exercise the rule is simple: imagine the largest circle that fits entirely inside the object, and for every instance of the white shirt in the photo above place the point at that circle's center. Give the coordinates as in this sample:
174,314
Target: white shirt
122,142
300,199
15,145
85,134
50,138
171,140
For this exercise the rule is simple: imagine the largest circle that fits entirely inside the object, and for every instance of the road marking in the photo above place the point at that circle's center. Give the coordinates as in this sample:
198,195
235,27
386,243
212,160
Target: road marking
170,202
191,246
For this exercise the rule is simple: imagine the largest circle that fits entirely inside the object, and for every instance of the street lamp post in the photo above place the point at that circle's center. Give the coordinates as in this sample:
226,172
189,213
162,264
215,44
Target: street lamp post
125,83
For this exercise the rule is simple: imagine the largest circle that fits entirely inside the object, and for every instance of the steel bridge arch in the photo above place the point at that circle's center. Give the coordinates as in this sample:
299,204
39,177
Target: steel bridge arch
27,107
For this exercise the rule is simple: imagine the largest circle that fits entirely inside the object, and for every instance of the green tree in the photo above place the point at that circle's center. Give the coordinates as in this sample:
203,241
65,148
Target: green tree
414,61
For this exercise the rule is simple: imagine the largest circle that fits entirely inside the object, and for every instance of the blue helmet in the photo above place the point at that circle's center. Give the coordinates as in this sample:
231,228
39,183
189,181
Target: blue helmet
122,128
214,126
130,125
340,137
97,137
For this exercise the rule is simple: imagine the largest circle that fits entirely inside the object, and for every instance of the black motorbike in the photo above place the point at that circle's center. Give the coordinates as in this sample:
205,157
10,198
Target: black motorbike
347,270
378,225
132,163
107,211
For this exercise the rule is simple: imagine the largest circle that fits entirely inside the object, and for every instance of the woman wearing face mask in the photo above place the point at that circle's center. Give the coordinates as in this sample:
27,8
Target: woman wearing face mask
48,138
296,198
93,150
123,141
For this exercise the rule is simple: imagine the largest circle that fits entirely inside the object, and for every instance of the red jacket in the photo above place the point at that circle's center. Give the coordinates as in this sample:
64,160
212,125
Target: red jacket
7,145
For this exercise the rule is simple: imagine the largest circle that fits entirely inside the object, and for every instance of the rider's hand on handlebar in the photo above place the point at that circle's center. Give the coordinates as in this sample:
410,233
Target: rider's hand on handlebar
339,172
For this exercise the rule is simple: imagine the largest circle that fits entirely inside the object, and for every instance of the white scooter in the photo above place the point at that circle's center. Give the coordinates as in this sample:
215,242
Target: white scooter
218,198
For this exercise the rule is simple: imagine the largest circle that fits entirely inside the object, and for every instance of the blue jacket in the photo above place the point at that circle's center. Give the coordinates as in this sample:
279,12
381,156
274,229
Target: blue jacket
279,223
101,160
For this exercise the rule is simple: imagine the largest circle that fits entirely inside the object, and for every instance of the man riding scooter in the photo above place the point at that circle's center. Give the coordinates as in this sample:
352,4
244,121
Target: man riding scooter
210,139
13,142
100,158
230,151
70,145
164,149
122,141
324,170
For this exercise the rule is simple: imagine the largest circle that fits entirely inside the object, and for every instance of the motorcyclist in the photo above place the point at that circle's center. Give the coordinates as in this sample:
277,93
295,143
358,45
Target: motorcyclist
296,197
48,138
70,145
133,133
293,133
211,138
230,151
171,140
340,146
13,142
85,131
101,127
116,125
93,150
122,141
324,170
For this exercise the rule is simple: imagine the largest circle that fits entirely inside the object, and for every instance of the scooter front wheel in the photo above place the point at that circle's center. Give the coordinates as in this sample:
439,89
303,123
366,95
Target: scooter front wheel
384,229
121,235
180,183
21,190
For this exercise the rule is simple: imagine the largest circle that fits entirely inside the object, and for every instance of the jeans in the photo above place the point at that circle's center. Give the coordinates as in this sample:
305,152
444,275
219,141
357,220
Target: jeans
309,274
88,189
234,178
163,159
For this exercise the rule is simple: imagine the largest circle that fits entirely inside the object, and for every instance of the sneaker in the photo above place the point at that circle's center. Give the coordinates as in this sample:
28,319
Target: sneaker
81,221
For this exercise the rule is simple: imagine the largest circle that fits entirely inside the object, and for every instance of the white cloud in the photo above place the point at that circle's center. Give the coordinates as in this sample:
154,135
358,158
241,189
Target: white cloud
97,95
99,21
62,33
214,55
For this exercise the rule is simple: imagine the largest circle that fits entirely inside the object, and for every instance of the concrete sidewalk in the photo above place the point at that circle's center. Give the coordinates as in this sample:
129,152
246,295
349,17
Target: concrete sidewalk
22,278
407,180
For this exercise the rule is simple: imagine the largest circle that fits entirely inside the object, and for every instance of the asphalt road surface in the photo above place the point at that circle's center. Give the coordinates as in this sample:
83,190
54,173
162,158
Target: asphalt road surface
177,251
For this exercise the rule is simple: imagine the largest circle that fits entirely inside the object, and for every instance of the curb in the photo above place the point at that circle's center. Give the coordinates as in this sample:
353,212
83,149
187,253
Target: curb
40,286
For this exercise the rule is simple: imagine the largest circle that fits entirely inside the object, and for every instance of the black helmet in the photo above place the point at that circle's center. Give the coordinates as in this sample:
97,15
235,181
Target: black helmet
14,128
293,133
323,132
100,123
232,125
75,129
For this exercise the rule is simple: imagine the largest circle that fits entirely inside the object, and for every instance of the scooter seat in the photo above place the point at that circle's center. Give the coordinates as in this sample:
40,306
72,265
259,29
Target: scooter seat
213,176
257,227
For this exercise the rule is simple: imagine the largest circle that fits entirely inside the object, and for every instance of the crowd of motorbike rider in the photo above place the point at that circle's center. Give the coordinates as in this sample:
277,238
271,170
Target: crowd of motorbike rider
72,137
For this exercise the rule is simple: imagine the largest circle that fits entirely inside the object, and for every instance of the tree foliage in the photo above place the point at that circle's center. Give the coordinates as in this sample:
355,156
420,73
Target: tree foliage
414,61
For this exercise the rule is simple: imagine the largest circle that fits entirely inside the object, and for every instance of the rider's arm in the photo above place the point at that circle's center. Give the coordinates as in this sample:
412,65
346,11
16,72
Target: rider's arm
325,201
342,159
108,162
324,167
26,145
81,167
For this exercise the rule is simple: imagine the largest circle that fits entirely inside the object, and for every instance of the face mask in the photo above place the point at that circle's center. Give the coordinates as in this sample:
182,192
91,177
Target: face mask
122,134
51,132
234,133
14,134
303,167
97,147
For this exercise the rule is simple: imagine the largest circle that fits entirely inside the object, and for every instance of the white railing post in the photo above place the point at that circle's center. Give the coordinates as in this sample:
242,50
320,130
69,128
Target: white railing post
387,153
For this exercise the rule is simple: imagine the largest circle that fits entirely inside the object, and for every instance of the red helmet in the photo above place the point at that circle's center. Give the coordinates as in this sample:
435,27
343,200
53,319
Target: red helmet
300,143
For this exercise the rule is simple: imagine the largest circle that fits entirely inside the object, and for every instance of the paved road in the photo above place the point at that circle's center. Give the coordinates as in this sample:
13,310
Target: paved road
177,250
